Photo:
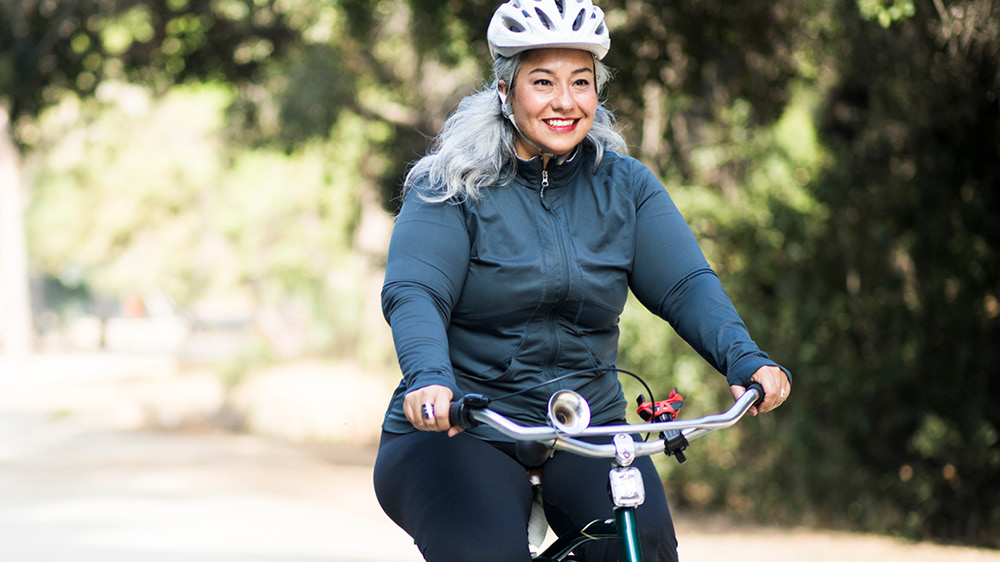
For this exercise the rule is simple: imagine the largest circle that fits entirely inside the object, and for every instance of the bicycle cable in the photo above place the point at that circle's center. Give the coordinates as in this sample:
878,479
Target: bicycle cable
594,371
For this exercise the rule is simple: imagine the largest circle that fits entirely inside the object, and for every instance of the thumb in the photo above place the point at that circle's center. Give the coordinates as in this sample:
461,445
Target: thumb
738,391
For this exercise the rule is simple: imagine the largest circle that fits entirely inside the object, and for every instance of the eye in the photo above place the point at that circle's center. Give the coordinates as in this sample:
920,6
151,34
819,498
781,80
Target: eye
542,82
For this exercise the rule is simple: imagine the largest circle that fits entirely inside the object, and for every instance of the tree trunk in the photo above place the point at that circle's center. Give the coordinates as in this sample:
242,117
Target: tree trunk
16,331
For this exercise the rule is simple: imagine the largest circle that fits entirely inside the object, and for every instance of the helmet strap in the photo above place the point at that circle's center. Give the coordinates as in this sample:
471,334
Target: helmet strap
506,108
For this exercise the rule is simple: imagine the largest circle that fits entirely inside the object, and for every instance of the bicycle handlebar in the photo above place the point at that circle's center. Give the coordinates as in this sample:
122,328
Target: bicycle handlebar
471,410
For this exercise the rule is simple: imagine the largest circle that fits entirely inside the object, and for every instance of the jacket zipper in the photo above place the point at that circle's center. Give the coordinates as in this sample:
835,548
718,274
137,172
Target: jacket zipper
559,299
541,192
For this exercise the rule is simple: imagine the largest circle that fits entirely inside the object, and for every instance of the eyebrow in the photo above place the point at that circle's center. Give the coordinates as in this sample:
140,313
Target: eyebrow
547,71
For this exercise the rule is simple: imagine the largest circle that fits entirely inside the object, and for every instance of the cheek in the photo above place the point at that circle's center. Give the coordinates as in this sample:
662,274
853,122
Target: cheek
521,105
590,113
527,106
587,102
521,118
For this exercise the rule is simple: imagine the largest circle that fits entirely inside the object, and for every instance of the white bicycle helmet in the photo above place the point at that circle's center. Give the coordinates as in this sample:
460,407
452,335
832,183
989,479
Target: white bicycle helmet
519,25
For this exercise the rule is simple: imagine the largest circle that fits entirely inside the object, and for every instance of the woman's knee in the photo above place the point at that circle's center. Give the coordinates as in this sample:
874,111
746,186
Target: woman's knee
461,499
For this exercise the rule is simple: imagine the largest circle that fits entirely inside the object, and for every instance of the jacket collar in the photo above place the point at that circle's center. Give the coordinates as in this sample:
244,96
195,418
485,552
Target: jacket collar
529,172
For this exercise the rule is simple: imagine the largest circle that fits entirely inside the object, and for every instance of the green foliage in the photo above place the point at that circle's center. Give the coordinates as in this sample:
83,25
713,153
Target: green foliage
886,12
752,231
851,232
912,260
137,205
50,47
120,185
840,175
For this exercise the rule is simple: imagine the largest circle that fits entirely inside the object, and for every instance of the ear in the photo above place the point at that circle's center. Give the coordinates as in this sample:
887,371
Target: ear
505,106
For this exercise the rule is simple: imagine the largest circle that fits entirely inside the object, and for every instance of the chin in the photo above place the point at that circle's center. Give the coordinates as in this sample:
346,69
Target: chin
561,148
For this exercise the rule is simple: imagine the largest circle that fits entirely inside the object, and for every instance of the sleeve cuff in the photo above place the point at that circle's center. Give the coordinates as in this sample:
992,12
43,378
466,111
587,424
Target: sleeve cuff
741,374
430,379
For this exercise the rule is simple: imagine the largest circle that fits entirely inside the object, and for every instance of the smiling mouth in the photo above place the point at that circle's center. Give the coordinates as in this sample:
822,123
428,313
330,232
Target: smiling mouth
560,123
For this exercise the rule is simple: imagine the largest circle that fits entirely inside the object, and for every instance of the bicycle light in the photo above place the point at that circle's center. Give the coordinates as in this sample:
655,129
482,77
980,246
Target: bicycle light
569,412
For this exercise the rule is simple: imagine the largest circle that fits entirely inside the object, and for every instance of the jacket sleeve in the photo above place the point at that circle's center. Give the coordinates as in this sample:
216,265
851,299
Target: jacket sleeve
425,271
672,278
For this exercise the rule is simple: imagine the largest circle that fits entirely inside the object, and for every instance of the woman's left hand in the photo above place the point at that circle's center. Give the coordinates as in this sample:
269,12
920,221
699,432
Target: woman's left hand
776,386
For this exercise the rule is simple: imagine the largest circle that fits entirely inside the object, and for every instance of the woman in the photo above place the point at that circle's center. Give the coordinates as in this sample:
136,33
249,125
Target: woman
519,238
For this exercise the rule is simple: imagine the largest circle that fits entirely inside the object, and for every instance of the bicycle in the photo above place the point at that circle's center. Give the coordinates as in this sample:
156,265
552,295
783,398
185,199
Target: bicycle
569,416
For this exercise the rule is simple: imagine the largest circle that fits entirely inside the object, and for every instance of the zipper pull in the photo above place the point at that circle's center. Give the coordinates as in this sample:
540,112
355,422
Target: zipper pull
541,192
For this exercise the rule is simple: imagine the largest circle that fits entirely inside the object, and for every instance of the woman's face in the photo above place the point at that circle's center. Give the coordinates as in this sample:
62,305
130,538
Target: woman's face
554,100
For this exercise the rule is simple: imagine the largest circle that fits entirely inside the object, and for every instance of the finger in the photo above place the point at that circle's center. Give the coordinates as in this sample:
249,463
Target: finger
771,393
410,412
784,388
427,408
442,405
776,387
420,410
739,391
429,412
783,391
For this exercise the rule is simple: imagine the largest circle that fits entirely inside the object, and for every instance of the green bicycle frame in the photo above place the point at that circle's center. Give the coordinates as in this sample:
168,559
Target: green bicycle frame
627,493
625,480
623,528
628,535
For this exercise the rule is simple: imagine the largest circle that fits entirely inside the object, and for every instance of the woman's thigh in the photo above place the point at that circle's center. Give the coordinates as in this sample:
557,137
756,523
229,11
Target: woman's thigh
459,498
575,492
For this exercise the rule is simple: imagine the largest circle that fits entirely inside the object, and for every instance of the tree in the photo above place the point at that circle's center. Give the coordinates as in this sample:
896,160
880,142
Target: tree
51,47
910,272
839,162
15,297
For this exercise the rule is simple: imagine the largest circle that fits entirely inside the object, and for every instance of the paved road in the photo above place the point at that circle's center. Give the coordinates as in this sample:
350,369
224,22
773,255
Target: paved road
81,481
69,492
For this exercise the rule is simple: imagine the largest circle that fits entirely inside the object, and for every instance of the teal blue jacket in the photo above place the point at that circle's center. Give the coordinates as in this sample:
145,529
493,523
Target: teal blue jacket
527,284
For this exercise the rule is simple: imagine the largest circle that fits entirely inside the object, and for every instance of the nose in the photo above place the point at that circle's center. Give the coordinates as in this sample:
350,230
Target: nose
563,99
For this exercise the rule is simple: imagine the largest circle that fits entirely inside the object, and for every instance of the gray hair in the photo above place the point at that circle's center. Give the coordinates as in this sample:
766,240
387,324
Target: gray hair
475,149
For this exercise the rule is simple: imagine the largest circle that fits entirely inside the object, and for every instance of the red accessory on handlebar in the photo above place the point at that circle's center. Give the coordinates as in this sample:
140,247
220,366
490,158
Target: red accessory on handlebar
666,410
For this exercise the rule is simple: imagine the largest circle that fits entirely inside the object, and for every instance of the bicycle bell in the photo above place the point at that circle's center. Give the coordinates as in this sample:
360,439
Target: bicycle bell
569,412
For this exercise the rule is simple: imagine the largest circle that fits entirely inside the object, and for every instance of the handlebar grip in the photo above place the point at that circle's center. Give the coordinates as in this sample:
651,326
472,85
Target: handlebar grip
456,414
760,392
460,412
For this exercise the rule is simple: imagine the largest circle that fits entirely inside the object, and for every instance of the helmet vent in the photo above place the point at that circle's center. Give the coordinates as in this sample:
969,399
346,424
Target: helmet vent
545,19
521,25
513,26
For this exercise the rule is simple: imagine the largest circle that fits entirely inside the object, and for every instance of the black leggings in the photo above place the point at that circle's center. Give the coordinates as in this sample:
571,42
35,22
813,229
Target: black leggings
465,499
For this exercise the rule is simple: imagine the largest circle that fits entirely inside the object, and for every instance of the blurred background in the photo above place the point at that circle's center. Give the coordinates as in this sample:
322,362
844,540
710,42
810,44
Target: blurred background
209,186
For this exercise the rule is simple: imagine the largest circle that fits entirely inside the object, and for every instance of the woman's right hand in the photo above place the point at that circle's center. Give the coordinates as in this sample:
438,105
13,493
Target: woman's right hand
435,399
